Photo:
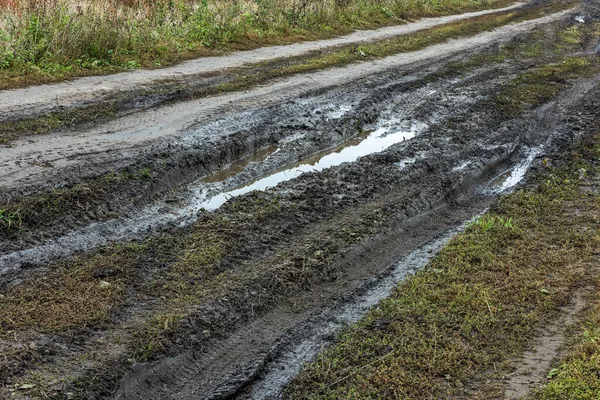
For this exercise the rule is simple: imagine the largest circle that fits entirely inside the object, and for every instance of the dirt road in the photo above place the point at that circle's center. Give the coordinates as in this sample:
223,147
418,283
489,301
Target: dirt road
38,99
246,223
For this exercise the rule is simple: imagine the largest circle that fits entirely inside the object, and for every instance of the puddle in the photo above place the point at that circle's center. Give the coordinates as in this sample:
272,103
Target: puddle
156,216
509,179
375,141
461,167
238,166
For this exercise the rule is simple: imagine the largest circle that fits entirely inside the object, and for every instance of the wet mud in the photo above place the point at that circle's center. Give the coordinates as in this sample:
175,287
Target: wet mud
399,156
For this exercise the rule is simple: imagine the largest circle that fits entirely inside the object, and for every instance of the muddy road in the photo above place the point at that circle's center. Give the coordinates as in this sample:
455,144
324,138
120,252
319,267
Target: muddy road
37,100
228,239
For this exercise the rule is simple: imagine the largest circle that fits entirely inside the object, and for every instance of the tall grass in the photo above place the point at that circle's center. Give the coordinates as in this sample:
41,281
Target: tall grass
60,37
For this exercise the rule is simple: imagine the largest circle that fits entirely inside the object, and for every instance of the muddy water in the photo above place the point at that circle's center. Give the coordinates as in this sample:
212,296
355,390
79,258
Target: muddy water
510,178
382,136
376,141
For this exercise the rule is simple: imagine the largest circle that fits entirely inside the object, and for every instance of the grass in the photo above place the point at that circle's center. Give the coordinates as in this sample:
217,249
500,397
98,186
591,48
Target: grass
74,296
542,84
475,305
10,130
577,377
10,220
252,76
44,41
84,200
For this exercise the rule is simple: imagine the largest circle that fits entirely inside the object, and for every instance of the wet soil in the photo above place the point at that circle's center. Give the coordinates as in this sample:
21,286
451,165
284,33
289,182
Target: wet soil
396,153
316,120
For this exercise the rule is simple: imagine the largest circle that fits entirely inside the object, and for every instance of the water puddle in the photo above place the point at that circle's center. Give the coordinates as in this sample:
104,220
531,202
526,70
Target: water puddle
376,141
238,166
509,179
156,216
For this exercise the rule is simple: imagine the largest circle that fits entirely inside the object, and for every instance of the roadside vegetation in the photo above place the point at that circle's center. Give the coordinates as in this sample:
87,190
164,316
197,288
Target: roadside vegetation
48,40
458,323
247,77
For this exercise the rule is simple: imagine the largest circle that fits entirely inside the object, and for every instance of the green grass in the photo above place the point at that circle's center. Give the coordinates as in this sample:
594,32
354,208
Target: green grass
10,219
475,306
52,40
537,87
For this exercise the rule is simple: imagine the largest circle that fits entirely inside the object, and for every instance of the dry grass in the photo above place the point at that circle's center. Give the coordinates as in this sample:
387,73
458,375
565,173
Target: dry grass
56,39
76,295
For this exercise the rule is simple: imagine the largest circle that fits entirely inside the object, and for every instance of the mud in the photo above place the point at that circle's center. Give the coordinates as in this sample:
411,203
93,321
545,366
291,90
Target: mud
179,131
302,345
386,150
302,127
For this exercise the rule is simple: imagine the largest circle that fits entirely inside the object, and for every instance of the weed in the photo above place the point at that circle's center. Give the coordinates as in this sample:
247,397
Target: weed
10,219
490,221
53,40
151,338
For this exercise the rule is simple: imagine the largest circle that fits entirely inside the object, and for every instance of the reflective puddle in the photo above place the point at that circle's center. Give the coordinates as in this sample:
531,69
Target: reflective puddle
239,165
372,142
511,178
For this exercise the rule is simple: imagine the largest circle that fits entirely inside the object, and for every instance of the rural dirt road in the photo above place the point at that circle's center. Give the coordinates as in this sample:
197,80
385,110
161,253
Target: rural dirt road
284,211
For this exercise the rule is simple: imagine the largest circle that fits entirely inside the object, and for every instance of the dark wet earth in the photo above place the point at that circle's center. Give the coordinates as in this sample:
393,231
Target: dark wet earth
399,161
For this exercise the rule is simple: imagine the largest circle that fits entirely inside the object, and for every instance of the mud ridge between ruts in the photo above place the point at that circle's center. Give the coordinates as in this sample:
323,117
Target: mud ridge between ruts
235,365
36,100
212,144
65,158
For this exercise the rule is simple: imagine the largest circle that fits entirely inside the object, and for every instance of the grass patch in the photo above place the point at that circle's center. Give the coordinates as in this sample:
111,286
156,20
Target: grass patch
77,295
10,130
84,200
52,40
539,86
473,307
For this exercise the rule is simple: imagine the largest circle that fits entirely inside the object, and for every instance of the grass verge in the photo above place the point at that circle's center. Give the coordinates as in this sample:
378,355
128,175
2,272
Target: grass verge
50,40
